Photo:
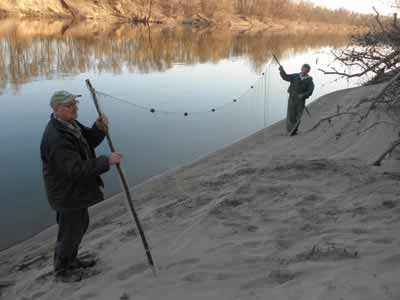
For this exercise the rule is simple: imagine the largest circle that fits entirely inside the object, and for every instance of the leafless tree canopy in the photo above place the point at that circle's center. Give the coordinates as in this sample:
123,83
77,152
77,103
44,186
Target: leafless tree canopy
377,54
264,9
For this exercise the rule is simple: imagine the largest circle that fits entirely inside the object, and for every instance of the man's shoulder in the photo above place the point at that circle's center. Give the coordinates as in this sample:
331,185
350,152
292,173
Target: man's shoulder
52,128
54,133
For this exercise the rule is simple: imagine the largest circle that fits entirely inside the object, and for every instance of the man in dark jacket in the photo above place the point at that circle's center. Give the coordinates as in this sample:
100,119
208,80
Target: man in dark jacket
301,88
71,174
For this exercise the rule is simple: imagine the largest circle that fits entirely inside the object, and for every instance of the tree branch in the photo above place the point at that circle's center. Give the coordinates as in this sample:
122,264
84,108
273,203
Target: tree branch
379,123
393,146
377,17
377,64
383,90
334,116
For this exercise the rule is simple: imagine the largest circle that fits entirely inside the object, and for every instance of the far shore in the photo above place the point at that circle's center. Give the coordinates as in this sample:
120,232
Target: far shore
232,24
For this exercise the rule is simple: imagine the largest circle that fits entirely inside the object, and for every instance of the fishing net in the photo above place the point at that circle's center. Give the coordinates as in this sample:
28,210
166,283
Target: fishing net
155,137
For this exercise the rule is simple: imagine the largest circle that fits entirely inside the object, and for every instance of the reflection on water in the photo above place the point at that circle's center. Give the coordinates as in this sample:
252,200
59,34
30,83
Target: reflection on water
176,70
34,50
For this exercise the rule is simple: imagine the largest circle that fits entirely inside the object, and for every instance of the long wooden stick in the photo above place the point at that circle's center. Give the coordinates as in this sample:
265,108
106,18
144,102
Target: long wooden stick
393,146
277,60
307,111
124,185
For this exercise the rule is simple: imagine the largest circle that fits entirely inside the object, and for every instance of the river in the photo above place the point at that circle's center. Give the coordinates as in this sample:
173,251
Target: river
178,70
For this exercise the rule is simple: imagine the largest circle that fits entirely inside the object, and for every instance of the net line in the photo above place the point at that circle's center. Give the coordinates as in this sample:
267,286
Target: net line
259,83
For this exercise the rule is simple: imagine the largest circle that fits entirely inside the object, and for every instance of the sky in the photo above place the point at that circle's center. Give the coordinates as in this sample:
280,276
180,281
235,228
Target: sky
363,6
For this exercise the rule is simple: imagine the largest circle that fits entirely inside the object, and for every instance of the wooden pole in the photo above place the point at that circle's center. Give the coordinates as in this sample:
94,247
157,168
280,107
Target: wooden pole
307,111
124,185
265,92
277,60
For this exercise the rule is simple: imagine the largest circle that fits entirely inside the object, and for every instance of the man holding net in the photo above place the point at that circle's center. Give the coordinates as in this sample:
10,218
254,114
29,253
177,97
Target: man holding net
300,89
71,174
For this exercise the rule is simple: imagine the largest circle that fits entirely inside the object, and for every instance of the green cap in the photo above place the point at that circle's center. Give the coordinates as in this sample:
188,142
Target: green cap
62,97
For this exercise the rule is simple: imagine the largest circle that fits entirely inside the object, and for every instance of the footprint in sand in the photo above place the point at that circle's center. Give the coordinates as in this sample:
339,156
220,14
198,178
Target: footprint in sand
29,262
37,295
99,224
389,204
46,275
132,270
307,227
252,228
392,260
255,283
252,244
128,235
283,243
189,261
197,277
226,178
309,200
89,295
282,276
276,277
218,248
124,296
384,241
359,231
359,211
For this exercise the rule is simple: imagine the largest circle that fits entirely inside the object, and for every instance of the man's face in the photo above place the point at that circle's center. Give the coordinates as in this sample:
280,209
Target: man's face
304,70
68,112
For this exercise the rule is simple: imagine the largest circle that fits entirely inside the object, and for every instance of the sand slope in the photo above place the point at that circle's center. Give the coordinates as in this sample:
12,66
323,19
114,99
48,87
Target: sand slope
269,217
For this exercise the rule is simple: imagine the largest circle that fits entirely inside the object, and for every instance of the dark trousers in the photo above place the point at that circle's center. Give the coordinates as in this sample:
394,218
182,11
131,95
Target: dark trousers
294,112
72,225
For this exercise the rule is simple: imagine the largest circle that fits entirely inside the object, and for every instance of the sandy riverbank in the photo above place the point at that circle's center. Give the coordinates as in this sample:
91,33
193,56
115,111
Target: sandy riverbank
269,217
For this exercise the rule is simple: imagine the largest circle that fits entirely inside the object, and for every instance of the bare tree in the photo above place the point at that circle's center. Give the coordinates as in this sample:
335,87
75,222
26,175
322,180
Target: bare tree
377,54
149,12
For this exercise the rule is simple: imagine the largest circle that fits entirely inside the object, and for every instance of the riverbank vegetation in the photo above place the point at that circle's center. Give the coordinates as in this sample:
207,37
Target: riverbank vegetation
197,13
374,58
263,10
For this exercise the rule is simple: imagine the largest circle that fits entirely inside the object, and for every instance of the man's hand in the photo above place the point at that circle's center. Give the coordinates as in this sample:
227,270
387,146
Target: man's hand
115,158
102,123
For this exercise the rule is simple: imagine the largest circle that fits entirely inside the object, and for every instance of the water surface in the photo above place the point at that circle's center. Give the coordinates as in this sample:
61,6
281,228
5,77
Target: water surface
181,70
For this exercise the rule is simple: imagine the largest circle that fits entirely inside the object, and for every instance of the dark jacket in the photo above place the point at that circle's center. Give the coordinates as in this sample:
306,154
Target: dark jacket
71,170
297,85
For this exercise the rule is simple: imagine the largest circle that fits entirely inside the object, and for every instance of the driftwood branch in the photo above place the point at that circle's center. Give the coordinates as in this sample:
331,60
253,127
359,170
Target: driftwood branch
378,54
385,59
393,146
381,93
30,261
328,119
395,125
